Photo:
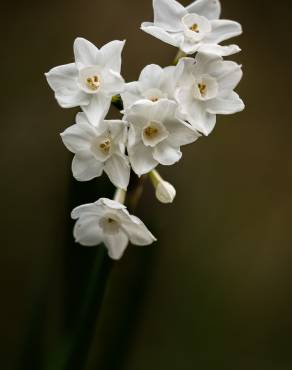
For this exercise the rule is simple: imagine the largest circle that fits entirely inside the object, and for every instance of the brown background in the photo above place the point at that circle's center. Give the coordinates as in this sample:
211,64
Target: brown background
215,293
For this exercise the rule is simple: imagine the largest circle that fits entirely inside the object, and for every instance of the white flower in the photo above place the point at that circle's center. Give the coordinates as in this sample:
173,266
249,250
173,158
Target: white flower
107,221
194,28
207,89
98,149
92,80
154,83
155,134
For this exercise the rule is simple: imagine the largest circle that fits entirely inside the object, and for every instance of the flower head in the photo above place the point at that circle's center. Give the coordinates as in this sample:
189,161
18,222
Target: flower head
154,83
98,149
206,89
92,80
194,28
156,135
108,221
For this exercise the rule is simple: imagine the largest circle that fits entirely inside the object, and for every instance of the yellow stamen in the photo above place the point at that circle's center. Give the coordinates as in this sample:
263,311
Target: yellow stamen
150,131
93,83
203,88
105,146
154,99
195,28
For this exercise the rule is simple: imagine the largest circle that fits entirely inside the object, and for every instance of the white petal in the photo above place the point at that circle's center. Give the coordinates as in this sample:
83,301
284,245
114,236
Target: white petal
223,30
71,99
92,209
131,94
185,97
229,76
181,133
98,108
168,14
162,109
204,64
78,137
200,119
113,83
137,231
64,76
227,105
85,167
116,244
134,136
111,204
166,154
219,50
188,46
118,170
141,159
169,79
63,80
151,76
210,9
87,231
85,53
161,34
112,55
118,131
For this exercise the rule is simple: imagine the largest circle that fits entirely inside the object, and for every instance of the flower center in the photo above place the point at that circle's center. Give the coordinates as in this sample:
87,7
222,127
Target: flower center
105,146
109,224
195,28
203,88
153,133
154,99
150,132
93,82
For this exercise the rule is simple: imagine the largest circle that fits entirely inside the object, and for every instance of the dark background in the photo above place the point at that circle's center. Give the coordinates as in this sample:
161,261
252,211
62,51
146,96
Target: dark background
215,293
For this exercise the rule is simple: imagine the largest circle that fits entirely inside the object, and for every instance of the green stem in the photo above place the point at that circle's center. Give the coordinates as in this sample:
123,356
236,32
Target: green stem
74,350
117,102
155,178
180,54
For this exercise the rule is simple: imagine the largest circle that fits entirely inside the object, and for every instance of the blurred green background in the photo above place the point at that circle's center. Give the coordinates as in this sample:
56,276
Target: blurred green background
215,292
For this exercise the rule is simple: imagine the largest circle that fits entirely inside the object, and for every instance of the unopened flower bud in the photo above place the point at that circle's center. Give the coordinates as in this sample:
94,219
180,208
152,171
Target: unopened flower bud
165,192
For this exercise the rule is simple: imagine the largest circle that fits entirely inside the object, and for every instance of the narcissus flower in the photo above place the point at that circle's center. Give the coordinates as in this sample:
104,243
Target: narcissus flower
156,135
108,221
194,28
207,86
92,80
154,83
98,149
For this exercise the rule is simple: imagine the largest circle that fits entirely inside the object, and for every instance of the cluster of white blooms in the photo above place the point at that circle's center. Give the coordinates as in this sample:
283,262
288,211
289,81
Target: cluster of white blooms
162,111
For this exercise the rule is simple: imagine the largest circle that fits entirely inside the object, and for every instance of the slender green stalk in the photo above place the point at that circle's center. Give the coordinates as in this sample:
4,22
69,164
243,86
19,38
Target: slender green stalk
180,54
74,349
155,178
117,102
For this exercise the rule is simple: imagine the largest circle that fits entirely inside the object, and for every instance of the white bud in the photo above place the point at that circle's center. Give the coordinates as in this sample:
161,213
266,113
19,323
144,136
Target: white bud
165,192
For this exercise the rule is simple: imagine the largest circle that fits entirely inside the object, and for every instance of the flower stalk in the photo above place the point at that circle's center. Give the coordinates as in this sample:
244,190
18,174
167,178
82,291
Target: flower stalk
120,196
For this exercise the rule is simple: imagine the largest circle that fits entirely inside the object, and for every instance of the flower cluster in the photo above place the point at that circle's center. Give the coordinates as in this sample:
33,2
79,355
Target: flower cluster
162,111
